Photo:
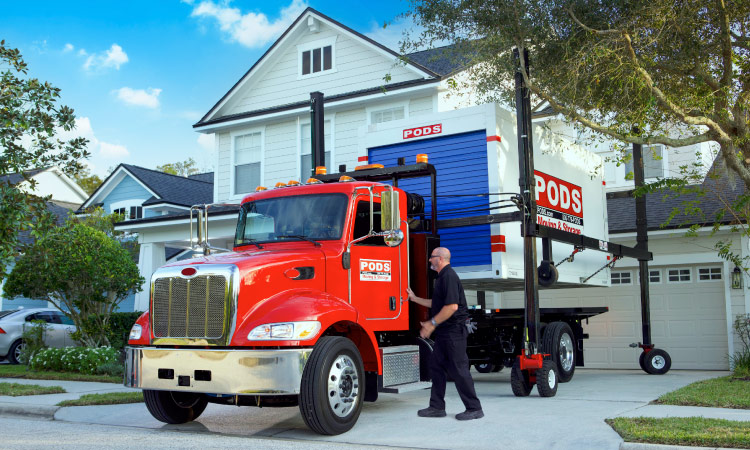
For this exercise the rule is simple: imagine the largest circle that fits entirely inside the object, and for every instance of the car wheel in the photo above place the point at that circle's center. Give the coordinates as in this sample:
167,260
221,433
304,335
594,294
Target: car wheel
174,407
14,354
559,342
484,367
332,387
519,380
657,362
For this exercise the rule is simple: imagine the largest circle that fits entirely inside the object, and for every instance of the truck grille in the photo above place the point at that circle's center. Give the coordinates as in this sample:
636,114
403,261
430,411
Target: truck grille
191,308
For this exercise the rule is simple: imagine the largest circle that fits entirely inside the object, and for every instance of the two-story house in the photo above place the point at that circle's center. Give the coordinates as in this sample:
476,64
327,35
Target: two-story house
262,136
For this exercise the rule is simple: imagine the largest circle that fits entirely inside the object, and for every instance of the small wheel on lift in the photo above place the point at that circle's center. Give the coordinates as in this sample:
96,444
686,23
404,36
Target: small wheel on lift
547,274
484,367
657,362
519,380
640,361
546,379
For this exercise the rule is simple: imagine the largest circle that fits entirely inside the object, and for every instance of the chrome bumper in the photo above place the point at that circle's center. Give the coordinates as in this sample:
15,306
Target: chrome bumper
251,372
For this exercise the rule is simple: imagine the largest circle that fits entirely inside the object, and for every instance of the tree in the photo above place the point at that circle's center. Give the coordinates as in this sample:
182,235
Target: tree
29,118
640,72
183,168
82,272
88,181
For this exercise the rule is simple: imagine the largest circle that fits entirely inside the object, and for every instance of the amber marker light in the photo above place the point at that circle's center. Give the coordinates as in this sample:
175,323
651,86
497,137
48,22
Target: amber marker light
314,181
346,179
369,166
422,158
280,184
261,189
293,183
321,170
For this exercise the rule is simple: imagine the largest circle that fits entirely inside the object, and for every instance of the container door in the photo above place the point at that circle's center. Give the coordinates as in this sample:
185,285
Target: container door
375,274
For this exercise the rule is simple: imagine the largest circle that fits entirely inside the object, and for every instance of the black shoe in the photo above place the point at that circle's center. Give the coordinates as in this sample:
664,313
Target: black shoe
469,415
431,412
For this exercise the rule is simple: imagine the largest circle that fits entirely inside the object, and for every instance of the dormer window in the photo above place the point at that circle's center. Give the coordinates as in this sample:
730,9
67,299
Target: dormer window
316,57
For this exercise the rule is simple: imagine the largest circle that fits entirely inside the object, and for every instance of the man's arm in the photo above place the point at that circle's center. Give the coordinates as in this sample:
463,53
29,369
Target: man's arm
427,302
443,315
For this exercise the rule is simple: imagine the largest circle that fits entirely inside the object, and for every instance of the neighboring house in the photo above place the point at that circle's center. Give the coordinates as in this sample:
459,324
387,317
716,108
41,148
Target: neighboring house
137,193
262,136
66,197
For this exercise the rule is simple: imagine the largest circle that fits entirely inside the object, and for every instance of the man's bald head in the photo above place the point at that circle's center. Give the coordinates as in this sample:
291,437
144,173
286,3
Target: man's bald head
440,258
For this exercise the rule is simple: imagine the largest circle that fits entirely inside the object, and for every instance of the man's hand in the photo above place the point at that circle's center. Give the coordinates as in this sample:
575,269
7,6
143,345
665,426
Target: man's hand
411,294
427,329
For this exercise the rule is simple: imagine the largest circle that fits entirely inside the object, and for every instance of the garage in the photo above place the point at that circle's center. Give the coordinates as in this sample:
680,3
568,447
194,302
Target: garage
688,316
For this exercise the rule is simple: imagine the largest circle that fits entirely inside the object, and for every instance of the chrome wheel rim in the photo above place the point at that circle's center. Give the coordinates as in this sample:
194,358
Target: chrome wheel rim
551,379
343,386
658,362
566,352
17,352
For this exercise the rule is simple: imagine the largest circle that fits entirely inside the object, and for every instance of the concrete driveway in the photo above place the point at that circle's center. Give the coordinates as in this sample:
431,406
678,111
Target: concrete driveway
574,419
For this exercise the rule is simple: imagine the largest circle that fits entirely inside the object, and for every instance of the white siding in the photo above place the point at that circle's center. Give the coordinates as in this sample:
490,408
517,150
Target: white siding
347,125
357,67
281,155
419,106
223,168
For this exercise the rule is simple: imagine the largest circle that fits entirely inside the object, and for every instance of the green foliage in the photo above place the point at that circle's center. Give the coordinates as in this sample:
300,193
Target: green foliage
33,339
85,360
29,119
109,398
684,431
723,392
182,168
88,181
115,369
118,327
80,270
18,389
741,359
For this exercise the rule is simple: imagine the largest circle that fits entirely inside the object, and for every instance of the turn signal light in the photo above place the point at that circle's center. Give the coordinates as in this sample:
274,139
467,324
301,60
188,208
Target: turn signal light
321,170
369,166
2,331
422,158
261,188
314,181
280,184
345,179
293,183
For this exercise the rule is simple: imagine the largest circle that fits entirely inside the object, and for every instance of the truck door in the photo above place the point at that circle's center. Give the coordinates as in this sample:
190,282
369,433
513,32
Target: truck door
375,269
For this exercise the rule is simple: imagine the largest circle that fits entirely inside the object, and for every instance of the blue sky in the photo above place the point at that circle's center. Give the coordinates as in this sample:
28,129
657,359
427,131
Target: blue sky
139,74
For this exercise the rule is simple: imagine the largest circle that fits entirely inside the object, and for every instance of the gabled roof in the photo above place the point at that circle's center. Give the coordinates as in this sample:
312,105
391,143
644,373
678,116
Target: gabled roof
166,188
207,177
415,65
444,61
15,178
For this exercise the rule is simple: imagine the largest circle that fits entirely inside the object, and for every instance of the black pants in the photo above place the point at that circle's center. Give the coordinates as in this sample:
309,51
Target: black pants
449,358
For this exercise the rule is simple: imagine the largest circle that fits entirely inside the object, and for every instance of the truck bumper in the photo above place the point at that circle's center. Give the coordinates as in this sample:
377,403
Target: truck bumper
251,372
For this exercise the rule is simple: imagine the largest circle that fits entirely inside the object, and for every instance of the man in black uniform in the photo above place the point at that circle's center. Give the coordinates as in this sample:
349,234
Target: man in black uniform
448,327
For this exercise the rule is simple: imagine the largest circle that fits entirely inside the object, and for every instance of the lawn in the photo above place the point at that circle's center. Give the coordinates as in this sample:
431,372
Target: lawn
17,389
690,431
20,371
724,392
111,398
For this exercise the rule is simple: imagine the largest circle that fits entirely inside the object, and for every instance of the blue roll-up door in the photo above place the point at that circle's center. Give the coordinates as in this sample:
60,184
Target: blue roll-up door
461,163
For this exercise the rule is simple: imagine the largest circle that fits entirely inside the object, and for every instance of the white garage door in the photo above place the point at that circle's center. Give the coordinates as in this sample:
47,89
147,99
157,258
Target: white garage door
687,317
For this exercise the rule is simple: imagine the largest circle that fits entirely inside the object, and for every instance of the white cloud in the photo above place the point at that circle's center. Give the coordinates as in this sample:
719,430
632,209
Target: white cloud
139,97
84,129
108,150
206,141
252,29
113,57
68,48
82,52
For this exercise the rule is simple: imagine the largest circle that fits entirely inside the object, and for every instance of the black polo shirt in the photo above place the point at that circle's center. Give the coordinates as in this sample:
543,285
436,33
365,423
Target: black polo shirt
448,291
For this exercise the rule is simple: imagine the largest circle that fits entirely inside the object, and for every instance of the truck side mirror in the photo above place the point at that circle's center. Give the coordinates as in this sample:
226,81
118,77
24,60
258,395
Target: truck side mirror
390,217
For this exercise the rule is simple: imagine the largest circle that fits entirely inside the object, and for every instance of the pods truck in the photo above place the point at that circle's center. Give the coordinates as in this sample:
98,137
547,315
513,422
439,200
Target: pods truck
310,306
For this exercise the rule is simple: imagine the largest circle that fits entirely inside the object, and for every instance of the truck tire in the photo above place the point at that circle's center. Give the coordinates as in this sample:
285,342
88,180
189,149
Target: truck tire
559,341
497,368
174,407
657,362
546,379
15,352
641,361
484,367
519,380
333,387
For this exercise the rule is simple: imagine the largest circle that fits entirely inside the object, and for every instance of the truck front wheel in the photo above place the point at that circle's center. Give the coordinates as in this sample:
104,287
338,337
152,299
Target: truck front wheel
333,386
174,407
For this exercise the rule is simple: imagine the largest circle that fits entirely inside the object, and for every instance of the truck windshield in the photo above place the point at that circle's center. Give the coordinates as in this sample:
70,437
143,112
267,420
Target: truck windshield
318,217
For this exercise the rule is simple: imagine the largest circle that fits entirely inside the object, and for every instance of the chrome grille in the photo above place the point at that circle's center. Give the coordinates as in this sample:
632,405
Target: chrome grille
195,308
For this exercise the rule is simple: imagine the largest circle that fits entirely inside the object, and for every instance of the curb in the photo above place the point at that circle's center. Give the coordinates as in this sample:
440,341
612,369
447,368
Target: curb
643,446
25,409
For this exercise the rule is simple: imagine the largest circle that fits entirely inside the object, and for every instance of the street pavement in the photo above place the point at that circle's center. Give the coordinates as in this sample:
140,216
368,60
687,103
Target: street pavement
573,419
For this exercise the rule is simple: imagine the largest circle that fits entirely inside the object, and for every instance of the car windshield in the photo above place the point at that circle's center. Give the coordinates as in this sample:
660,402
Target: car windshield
316,217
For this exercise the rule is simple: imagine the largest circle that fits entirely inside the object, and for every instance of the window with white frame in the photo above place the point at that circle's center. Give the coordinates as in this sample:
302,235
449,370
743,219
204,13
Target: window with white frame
247,162
128,212
679,275
621,277
305,162
709,273
387,114
136,212
653,161
315,60
654,276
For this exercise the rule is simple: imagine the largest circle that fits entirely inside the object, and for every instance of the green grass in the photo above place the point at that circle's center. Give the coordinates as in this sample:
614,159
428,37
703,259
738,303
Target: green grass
17,389
111,398
724,392
20,371
691,431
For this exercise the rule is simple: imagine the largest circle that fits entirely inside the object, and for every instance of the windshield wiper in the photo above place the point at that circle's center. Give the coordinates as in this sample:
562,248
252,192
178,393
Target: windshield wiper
249,242
302,237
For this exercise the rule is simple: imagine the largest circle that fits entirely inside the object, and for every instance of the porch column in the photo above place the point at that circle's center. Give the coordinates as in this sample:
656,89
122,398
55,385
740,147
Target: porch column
151,258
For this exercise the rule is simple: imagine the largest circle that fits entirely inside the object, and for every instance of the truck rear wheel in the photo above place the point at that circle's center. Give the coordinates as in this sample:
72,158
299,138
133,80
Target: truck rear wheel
333,386
519,380
484,367
174,407
559,342
546,379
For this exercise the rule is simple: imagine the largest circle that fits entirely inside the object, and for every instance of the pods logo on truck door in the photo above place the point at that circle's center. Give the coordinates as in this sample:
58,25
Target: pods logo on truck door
423,131
374,270
559,204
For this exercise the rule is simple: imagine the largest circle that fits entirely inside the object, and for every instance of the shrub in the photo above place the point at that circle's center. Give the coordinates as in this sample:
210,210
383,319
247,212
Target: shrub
741,359
116,369
33,338
84,360
118,327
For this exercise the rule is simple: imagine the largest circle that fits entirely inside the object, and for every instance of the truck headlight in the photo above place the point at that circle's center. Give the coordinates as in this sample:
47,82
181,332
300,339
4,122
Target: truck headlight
135,332
293,331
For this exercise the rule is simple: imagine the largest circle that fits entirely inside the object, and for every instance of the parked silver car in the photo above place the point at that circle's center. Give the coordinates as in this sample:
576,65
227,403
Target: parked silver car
12,325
